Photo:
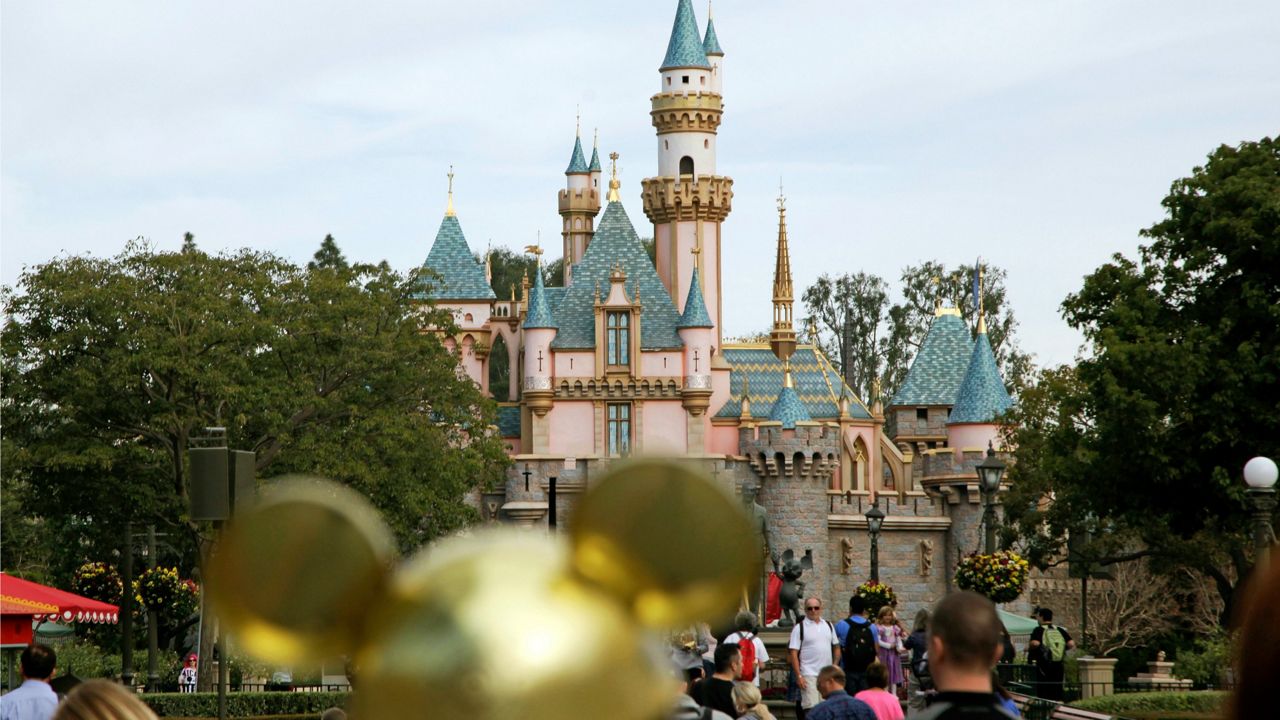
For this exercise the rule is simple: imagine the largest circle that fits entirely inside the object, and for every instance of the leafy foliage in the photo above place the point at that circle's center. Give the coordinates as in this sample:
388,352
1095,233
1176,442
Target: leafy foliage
1000,576
244,704
99,581
1206,701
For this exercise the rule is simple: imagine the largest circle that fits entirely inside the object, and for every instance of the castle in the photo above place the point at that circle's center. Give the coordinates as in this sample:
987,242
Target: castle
629,356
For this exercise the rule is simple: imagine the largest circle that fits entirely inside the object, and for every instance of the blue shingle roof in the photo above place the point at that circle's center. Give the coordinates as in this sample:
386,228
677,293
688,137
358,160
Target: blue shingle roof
615,241
461,277
578,162
509,421
982,396
595,160
939,366
789,409
539,309
711,43
685,47
695,310
817,384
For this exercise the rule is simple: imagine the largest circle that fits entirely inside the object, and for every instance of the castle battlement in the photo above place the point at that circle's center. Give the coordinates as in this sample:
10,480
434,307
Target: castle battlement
811,450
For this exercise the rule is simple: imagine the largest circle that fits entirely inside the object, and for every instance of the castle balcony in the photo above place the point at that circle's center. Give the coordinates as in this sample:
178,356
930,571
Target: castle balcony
701,197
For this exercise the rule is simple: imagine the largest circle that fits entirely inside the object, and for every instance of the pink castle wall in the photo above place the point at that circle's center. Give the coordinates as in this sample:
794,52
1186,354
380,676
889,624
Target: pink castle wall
570,429
664,427
973,436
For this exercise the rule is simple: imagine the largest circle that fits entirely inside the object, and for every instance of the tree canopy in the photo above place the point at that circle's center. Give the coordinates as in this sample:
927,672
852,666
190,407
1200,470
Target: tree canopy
1145,437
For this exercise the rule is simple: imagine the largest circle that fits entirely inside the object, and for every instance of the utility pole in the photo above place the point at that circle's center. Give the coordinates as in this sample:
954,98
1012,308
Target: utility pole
126,608
153,621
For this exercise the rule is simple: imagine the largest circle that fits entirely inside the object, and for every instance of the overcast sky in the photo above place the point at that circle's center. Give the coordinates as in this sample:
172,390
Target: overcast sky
1039,135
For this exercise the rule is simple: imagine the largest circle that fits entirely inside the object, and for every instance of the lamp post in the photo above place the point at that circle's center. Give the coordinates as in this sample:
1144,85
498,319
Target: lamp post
1260,475
875,518
990,471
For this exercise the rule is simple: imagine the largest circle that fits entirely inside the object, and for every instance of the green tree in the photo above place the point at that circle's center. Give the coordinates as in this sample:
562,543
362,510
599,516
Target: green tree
850,313
328,256
1147,435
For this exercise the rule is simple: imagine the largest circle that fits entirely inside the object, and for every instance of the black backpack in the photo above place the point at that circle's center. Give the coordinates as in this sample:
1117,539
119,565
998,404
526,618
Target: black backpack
859,647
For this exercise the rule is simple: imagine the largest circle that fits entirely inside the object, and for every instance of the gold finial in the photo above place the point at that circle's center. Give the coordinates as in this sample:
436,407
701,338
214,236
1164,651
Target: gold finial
536,250
595,140
613,179
787,382
782,199
982,314
578,121
709,10
448,210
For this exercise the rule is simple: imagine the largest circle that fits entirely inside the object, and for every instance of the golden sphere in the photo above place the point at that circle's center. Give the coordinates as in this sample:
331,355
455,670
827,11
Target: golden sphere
494,627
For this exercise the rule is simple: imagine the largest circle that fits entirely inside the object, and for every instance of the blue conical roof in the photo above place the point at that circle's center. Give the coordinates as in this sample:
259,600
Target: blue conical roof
939,366
711,43
788,409
982,397
461,277
577,163
685,47
695,309
595,160
539,310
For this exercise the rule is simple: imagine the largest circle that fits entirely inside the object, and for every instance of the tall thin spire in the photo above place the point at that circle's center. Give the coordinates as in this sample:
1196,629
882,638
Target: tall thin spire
448,209
782,338
613,179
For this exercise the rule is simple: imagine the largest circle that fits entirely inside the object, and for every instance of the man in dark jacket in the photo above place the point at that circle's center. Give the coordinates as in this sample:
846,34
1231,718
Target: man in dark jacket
964,646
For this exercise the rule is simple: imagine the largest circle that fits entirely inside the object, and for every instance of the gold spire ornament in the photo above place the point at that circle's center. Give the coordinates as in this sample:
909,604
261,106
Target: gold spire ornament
448,209
782,338
982,315
613,178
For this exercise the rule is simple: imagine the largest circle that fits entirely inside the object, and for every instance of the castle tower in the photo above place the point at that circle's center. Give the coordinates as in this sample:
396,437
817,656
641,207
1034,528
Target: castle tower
982,397
782,337
688,201
539,331
698,334
715,56
579,204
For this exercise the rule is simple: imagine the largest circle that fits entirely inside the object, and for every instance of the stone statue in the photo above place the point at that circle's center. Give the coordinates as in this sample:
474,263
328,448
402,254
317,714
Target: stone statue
846,555
493,512
926,557
791,594
1160,656
760,521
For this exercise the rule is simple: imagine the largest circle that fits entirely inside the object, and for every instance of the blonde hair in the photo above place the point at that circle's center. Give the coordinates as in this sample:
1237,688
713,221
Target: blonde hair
886,611
747,697
102,700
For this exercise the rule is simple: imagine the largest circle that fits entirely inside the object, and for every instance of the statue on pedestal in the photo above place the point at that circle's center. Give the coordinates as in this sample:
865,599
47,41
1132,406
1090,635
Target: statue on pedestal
791,595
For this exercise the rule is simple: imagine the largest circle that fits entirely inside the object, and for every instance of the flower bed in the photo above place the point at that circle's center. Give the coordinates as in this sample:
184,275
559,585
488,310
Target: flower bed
1000,576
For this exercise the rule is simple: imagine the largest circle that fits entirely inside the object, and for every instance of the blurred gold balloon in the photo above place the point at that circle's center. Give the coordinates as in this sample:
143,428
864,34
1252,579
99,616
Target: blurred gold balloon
297,575
493,627
667,541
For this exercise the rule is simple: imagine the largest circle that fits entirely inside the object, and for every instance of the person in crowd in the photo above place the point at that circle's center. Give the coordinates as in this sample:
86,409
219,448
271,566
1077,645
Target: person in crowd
749,703
890,636
686,651
686,708
745,634
334,713
964,645
1048,651
836,703
885,704
187,675
716,692
102,700
813,645
33,699
1003,696
859,650
1258,661
917,672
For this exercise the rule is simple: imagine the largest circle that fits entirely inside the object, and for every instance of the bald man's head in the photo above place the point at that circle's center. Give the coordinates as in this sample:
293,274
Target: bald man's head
969,630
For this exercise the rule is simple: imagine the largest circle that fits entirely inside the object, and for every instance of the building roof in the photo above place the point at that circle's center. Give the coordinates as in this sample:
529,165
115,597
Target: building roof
695,309
509,421
982,396
578,162
817,384
615,241
539,309
684,49
595,160
788,409
711,43
461,276
939,366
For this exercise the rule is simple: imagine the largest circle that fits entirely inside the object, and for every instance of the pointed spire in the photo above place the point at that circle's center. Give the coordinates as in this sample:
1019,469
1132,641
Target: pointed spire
614,184
539,310
595,153
982,397
782,339
684,49
788,408
448,209
695,309
745,403
578,161
711,43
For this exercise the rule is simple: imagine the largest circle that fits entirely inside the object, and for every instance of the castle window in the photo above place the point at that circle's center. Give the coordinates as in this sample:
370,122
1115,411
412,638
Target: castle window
618,337
668,80
706,144
686,165
666,145
703,80
619,429
922,413
684,79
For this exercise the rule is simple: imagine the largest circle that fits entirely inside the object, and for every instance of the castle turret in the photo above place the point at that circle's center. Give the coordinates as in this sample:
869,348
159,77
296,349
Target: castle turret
715,56
594,165
688,201
579,204
982,398
698,335
539,331
782,337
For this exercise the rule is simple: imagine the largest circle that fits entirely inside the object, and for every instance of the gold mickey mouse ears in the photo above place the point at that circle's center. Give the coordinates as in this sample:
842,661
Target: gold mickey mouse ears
666,541
297,574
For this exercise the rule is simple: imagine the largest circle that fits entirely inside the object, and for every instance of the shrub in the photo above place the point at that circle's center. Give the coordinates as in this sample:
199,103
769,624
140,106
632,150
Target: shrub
244,704
1207,662
86,660
1201,701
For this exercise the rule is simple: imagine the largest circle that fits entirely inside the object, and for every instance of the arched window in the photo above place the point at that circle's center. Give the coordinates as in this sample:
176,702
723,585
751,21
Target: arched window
686,165
499,370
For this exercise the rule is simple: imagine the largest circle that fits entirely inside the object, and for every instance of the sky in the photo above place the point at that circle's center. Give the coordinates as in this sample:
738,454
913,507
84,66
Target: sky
1040,136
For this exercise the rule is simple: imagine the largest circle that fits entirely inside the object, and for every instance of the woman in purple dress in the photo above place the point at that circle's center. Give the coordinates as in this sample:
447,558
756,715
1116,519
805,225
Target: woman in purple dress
889,648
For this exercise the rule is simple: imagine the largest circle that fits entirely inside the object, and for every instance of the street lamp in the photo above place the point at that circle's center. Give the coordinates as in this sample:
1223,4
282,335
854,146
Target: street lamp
990,471
1260,475
875,518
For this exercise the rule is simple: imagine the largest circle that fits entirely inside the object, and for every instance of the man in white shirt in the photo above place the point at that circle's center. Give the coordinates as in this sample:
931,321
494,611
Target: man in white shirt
813,646
34,699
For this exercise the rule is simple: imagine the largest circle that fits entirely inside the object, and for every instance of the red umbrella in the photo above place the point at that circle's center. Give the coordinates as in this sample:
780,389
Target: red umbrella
22,601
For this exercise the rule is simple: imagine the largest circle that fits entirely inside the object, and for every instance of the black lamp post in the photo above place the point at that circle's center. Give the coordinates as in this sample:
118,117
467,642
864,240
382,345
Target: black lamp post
875,518
990,471
1260,475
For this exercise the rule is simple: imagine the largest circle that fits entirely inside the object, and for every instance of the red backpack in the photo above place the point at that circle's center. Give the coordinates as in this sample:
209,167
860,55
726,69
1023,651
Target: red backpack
747,647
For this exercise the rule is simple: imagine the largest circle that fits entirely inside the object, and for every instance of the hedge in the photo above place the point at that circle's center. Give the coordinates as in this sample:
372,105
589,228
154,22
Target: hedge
1200,701
244,704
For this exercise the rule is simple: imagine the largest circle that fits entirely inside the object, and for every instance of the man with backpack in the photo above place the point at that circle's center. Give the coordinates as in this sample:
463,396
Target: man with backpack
754,654
1048,652
858,643
813,646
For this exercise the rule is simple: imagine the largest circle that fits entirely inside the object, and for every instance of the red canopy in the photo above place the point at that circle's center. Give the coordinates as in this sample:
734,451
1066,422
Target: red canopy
23,597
